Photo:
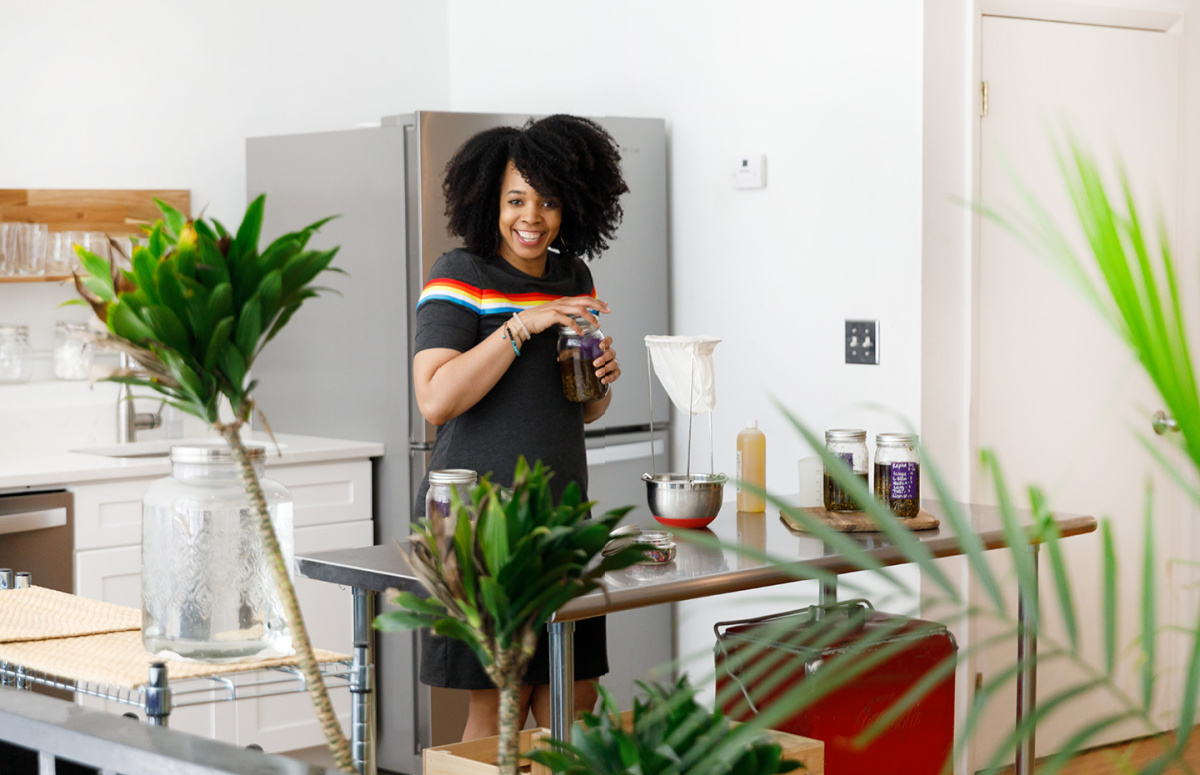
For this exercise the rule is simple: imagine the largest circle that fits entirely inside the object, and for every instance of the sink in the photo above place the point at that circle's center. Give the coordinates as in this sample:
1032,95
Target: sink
152,448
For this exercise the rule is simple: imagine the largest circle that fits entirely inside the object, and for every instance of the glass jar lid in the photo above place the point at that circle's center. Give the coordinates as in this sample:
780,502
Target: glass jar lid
214,452
659,539
845,434
587,326
895,439
452,476
14,329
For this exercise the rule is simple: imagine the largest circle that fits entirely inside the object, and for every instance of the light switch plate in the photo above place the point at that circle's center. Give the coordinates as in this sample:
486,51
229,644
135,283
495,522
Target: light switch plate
862,341
749,171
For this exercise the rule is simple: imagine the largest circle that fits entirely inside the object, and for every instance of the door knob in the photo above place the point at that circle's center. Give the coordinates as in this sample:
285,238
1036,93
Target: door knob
1163,422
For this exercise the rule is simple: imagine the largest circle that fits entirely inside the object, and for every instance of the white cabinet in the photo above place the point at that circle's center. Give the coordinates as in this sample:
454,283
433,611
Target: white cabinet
332,503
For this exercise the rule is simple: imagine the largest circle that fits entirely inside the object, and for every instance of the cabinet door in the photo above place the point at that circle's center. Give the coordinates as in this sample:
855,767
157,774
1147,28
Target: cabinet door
115,576
109,513
287,722
325,493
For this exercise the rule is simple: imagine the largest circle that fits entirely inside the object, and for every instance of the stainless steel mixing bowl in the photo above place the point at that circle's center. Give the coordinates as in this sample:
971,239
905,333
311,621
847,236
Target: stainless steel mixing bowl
683,497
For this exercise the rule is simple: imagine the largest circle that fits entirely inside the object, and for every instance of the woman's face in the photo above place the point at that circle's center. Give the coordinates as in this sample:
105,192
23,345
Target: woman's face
529,222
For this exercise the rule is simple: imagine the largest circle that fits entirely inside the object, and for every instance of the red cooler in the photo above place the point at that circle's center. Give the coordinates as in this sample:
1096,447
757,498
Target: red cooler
758,660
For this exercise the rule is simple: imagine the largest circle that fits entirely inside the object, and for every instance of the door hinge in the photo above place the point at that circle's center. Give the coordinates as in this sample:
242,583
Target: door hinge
983,109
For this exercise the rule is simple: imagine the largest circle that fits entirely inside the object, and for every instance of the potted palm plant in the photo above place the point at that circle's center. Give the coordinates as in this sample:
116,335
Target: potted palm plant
195,309
497,568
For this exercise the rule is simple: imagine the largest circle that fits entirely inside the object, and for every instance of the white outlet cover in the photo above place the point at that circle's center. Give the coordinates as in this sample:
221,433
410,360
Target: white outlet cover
749,171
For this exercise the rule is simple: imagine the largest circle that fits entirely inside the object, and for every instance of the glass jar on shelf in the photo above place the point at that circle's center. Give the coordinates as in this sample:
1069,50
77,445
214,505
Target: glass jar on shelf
16,356
849,445
72,350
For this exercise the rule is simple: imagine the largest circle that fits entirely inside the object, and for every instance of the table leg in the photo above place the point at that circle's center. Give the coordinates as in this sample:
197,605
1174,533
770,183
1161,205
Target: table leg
1027,617
562,679
158,695
362,684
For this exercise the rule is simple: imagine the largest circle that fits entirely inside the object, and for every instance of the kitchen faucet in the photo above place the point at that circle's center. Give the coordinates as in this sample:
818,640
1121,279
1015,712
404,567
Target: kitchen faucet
129,420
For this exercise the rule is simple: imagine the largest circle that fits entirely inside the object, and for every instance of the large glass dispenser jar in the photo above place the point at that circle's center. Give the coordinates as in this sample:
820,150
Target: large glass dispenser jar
898,473
207,593
16,363
577,353
850,445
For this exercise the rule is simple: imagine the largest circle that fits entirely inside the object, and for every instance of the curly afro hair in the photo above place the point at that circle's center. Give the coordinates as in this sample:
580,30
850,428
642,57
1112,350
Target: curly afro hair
566,157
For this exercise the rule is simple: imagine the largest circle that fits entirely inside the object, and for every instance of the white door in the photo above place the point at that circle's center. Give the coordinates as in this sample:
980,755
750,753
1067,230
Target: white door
1055,394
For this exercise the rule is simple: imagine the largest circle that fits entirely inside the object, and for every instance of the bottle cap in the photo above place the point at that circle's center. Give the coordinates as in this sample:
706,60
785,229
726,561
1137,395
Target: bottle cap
751,423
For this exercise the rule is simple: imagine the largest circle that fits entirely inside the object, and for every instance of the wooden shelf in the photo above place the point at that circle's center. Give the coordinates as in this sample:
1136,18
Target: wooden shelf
41,278
115,211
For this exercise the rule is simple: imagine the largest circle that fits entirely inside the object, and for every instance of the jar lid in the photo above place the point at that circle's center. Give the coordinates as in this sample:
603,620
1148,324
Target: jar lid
453,476
887,439
846,434
586,325
71,325
660,539
14,328
214,452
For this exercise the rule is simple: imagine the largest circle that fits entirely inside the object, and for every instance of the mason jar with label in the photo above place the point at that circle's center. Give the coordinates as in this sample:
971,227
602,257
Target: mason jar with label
898,473
577,354
850,445
207,592
441,482
16,357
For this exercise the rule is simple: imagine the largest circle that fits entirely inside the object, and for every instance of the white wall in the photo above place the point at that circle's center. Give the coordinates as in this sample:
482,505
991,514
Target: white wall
832,94
145,94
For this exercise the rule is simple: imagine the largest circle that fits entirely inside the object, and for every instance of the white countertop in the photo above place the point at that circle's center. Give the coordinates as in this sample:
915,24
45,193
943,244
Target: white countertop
22,469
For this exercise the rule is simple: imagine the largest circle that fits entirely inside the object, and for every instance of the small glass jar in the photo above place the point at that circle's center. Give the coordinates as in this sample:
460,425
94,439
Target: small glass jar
898,473
72,350
658,545
577,354
440,483
849,444
16,357
207,592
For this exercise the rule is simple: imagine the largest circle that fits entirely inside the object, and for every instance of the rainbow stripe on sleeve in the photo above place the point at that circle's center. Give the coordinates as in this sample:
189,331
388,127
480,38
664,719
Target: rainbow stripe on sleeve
483,301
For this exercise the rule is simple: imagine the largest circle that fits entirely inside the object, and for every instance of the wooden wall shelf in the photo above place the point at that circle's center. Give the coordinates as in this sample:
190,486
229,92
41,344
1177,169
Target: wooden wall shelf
114,211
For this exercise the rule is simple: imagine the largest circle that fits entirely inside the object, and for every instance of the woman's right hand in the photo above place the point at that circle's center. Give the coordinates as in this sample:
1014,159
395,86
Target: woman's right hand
559,311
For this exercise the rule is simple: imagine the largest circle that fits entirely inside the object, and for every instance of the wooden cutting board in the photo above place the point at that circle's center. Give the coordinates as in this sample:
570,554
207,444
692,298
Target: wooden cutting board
859,521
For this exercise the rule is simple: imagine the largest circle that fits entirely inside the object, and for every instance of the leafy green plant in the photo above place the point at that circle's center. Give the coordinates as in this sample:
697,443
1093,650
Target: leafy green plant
1136,288
670,734
497,568
194,310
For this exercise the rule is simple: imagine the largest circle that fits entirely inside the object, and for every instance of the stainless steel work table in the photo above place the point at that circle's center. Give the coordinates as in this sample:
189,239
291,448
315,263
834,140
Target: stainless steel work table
698,571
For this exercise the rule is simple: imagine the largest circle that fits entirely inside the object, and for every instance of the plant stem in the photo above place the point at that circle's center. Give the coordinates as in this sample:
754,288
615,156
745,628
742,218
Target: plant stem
339,746
507,749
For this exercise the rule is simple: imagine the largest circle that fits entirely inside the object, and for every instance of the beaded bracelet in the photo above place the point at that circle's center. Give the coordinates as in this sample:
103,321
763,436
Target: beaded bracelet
511,340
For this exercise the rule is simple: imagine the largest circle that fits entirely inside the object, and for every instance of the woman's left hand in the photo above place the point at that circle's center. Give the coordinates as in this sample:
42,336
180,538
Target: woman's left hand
607,367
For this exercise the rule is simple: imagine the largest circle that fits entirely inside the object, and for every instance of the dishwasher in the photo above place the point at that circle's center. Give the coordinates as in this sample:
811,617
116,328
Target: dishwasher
37,535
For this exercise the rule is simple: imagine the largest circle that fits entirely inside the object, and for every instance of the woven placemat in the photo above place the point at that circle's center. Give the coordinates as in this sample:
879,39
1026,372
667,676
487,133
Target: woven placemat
37,613
858,521
119,659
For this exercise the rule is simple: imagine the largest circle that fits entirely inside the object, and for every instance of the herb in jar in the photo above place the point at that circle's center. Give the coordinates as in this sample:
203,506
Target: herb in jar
579,380
836,498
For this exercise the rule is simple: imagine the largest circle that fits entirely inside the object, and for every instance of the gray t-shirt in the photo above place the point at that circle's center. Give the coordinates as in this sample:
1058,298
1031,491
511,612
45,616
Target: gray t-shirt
464,301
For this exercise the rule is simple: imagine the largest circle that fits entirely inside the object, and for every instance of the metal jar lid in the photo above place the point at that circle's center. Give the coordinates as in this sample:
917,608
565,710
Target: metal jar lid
453,476
587,326
845,434
214,452
895,439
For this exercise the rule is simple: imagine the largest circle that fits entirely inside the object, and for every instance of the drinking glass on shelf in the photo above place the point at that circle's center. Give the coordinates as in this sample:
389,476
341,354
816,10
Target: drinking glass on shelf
76,238
121,248
4,260
60,255
31,248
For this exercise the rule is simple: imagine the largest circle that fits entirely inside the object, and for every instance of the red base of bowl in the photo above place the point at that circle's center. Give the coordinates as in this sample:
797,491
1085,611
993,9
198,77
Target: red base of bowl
697,522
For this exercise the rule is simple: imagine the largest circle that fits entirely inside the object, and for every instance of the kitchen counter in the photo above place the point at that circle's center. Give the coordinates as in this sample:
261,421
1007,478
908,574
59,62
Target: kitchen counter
24,469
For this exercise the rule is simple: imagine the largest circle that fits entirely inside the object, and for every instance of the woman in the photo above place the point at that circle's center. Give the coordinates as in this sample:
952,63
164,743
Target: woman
529,203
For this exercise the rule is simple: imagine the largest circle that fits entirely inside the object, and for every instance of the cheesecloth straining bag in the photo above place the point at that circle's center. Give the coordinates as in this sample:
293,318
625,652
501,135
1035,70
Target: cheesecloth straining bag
684,365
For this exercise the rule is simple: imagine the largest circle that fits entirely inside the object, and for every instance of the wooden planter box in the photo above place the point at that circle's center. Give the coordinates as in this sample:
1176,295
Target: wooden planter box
478,757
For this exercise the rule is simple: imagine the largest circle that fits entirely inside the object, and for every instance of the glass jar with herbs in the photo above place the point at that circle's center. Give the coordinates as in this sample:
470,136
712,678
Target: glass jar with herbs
898,473
577,354
849,445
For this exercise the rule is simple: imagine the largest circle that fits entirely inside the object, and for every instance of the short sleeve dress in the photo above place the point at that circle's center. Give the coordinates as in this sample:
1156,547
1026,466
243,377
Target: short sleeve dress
464,301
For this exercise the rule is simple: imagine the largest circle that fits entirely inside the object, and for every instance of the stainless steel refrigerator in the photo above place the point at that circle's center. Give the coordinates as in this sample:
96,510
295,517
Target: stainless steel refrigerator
341,367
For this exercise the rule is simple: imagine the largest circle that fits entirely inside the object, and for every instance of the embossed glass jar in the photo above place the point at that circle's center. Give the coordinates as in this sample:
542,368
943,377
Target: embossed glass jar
207,593
577,354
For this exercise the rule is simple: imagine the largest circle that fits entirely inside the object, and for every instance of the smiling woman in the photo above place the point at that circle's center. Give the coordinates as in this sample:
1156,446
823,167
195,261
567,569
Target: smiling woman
530,204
